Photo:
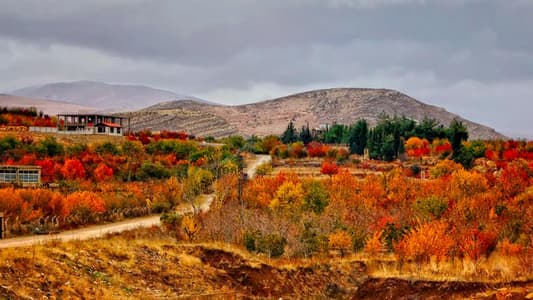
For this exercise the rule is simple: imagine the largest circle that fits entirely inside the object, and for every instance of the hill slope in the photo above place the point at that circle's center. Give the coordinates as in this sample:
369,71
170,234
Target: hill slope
47,106
341,105
102,95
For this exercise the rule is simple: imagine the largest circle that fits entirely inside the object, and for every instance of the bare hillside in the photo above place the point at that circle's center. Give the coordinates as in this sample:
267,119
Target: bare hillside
341,105
47,106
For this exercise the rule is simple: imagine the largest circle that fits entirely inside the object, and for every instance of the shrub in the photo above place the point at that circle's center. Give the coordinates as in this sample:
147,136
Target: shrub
432,206
264,169
161,207
272,245
171,221
150,170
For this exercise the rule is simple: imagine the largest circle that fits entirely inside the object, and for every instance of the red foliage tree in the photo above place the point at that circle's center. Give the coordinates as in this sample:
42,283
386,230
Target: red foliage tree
474,243
316,149
73,169
103,172
329,168
47,169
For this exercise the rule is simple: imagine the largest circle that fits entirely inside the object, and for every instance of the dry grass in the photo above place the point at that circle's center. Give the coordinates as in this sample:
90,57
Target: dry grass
494,269
148,264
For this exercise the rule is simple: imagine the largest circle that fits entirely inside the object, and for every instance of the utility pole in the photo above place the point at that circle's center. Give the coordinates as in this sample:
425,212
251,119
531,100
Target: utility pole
1,225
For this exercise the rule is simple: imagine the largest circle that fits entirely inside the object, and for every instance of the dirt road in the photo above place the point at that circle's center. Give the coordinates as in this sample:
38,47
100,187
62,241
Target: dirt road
101,230
252,165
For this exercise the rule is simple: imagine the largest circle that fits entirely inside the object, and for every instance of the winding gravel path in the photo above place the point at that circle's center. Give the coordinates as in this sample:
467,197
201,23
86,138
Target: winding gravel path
101,230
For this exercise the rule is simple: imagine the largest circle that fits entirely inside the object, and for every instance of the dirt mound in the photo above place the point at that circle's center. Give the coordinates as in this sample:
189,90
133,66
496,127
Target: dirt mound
392,288
263,280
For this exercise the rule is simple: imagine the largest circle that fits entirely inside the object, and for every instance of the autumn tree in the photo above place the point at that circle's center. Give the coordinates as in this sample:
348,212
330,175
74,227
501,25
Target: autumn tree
340,240
191,226
417,147
329,168
289,196
73,169
425,241
374,246
103,172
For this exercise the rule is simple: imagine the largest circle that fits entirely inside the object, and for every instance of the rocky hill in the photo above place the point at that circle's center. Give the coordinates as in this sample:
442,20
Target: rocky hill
110,97
340,105
193,121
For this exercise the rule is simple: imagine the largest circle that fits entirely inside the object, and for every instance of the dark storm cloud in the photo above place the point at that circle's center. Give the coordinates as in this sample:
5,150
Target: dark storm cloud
237,50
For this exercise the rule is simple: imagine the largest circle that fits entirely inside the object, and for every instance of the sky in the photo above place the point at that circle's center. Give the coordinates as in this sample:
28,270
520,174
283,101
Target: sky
474,58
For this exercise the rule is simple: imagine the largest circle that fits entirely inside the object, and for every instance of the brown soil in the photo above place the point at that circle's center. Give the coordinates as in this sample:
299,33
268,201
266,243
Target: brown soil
392,288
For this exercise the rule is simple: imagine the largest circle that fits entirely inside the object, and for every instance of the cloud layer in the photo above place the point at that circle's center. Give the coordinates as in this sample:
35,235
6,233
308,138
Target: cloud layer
473,57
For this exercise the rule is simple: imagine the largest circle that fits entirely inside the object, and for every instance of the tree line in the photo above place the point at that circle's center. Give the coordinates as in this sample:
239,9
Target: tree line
384,141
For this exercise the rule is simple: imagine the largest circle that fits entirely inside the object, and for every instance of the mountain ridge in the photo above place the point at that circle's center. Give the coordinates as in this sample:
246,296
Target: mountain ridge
325,106
106,96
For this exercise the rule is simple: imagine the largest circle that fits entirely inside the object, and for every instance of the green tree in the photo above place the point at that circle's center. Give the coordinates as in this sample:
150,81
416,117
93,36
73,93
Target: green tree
457,133
316,197
49,147
305,135
358,137
290,135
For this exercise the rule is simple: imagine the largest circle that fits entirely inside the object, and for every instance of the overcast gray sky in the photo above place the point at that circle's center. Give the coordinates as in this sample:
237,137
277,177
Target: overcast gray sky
474,58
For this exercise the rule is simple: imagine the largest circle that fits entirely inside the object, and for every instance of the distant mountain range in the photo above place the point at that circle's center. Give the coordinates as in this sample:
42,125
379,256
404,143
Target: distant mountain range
47,106
157,110
109,97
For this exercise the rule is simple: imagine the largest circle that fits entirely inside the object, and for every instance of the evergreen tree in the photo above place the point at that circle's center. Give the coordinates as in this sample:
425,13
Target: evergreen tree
457,133
290,135
358,137
305,135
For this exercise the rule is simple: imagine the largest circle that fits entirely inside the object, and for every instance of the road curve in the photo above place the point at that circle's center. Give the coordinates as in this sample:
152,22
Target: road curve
101,230
252,165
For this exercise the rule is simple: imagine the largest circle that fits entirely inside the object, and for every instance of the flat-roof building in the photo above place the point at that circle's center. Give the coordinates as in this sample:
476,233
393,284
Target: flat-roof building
23,175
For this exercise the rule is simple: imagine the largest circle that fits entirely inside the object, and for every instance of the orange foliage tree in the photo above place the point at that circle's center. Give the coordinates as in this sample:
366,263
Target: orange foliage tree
340,240
427,240
417,147
85,202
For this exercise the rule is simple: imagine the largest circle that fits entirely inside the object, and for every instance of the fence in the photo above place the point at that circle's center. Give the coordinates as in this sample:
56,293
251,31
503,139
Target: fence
43,129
